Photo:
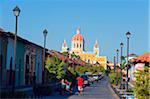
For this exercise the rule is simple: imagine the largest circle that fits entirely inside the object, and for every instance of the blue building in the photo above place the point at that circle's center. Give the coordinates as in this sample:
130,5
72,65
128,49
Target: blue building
29,60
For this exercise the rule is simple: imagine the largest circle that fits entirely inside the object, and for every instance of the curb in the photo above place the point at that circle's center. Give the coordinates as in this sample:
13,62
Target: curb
113,92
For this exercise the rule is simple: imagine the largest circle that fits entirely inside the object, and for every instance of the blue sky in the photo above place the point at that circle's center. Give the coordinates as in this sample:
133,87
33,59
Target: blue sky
104,20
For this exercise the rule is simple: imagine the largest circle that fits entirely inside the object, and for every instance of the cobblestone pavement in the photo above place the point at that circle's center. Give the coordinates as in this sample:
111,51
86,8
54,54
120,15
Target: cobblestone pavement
100,90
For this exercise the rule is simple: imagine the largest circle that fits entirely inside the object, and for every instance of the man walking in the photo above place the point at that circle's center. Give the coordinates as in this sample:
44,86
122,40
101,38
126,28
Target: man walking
80,82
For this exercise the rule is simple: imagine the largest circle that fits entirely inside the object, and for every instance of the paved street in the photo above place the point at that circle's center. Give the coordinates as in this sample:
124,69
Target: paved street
100,90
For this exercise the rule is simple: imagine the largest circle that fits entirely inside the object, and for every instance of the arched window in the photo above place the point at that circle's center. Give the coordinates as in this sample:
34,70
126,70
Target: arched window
77,45
74,45
80,45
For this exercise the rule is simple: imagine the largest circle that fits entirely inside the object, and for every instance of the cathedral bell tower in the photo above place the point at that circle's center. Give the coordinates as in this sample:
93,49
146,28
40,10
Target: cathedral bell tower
96,48
64,47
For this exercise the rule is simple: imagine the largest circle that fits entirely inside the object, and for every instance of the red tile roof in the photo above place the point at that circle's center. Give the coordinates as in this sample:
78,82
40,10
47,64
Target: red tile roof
143,58
65,58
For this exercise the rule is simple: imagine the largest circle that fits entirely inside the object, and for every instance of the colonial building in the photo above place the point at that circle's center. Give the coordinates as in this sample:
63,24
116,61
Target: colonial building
77,47
29,59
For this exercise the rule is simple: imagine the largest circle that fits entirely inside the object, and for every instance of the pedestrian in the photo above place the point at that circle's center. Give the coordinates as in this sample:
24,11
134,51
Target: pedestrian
68,86
80,82
63,86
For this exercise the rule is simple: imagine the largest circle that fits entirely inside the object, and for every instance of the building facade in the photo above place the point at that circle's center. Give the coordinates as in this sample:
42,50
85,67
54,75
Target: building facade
77,47
29,59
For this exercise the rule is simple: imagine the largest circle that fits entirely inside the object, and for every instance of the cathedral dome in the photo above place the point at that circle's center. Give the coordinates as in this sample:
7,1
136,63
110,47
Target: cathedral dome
78,36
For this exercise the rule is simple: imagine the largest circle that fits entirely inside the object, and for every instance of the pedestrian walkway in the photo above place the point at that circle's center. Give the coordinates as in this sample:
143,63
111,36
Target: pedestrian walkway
100,90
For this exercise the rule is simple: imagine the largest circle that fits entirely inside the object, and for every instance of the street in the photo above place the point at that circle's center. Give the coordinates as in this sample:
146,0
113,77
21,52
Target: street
100,90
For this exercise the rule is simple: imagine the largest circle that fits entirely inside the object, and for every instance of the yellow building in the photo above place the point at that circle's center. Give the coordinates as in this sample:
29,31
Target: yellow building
77,47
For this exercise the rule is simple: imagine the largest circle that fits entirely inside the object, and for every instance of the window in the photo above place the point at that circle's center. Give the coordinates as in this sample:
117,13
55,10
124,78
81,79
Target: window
77,45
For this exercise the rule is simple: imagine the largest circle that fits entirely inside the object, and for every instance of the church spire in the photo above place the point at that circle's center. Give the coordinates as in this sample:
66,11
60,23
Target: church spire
96,45
96,48
64,46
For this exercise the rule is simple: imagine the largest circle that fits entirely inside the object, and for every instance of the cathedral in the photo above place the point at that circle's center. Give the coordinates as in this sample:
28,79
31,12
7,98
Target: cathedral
77,47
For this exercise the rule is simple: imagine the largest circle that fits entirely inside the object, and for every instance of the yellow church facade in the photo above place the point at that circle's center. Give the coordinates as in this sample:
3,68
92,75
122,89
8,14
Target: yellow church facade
77,47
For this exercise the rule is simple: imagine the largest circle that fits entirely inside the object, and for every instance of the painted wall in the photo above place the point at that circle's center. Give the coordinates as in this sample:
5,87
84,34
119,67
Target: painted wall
20,51
10,53
3,55
39,61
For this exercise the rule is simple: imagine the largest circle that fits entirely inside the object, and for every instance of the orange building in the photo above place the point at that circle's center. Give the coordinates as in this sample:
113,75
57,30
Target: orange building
77,47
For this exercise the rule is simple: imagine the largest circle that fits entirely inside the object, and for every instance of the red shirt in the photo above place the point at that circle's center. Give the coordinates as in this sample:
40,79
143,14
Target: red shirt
80,81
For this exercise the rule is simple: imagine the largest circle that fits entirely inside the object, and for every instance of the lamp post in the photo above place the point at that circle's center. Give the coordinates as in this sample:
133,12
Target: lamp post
16,12
117,67
121,46
114,63
128,34
44,72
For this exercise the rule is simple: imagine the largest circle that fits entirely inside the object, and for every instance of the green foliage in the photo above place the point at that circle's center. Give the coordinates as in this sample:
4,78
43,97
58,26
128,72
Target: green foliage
73,55
114,76
123,62
142,88
55,66
60,70
66,54
92,69
81,69
71,74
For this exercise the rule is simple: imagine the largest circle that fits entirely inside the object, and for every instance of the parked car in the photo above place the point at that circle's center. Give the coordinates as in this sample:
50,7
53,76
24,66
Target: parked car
95,77
91,79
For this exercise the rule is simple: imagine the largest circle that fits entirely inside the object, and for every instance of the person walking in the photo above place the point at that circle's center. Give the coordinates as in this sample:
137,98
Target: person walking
80,82
68,86
63,86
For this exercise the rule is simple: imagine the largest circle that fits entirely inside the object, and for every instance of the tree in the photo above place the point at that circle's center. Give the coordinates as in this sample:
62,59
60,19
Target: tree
142,88
60,70
73,55
81,69
56,67
66,54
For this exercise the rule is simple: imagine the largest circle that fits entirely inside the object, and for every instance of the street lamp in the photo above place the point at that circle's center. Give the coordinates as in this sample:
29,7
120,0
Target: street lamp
121,46
128,34
16,12
114,63
44,72
117,67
